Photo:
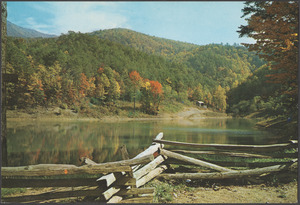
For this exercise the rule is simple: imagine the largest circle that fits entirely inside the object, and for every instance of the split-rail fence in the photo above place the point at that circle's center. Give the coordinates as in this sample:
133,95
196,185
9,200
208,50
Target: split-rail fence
122,181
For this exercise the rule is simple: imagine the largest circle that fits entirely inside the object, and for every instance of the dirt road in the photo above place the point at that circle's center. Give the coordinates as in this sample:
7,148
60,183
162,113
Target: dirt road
194,113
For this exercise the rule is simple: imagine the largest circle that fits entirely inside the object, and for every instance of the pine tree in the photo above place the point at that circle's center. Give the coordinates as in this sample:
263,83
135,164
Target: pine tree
274,26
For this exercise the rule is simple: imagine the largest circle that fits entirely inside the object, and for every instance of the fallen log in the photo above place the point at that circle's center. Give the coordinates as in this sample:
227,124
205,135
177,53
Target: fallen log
193,161
264,148
226,175
232,154
60,169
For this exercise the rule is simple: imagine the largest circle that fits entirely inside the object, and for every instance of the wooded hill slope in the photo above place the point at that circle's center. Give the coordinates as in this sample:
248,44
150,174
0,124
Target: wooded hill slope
78,68
229,65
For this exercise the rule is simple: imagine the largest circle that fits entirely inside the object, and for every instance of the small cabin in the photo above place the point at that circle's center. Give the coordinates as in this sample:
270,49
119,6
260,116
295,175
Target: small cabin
201,104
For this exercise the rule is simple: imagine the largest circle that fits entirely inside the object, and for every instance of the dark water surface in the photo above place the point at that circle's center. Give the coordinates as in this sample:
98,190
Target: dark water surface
65,142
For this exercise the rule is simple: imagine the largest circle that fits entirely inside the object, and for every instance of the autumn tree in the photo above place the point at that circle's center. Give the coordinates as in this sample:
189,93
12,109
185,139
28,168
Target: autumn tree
137,81
196,93
152,94
274,27
220,98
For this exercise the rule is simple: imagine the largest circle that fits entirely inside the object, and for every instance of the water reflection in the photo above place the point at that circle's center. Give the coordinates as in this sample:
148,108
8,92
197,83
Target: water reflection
36,143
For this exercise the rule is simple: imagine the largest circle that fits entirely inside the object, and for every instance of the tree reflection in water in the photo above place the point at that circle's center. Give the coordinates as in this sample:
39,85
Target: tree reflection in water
66,142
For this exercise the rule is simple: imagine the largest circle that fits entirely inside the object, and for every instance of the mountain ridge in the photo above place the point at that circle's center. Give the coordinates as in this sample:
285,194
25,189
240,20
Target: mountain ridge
14,30
143,42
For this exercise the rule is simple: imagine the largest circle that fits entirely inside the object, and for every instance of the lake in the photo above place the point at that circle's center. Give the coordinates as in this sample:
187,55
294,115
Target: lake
65,142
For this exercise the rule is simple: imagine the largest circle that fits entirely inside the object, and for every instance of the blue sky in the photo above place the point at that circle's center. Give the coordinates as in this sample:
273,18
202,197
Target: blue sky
193,22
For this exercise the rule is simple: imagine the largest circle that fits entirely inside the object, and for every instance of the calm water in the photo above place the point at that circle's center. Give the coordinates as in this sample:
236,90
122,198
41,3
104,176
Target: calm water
38,142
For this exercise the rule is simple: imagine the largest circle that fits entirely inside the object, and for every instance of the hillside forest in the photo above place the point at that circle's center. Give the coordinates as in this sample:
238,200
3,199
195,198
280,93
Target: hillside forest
90,71
77,70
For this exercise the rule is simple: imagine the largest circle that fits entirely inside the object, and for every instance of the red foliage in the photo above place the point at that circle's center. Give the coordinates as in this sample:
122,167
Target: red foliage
100,70
84,84
156,88
135,78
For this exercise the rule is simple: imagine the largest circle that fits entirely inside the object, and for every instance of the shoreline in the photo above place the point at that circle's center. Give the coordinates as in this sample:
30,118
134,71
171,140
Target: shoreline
188,113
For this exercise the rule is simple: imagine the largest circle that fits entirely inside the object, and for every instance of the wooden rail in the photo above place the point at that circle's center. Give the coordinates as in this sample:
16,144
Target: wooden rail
265,148
59,169
230,174
122,181
141,174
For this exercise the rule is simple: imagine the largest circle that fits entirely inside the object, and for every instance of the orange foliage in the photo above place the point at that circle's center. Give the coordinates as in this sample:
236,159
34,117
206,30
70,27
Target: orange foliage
100,70
276,35
86,85
156,88
135,78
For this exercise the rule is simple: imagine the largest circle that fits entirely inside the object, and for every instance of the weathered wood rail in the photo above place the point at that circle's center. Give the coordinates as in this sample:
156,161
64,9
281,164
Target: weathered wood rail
262,168
264,148
122,181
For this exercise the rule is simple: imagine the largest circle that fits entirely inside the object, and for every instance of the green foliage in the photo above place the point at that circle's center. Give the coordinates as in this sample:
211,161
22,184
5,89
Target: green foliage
256,94
77,68
163,191
9,191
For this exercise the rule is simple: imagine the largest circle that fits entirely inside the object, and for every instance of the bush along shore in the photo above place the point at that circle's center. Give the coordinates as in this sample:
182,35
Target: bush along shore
119,111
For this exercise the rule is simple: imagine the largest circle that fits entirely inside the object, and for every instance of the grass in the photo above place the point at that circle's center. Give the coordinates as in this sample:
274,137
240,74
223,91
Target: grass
165,191
171,106
10,191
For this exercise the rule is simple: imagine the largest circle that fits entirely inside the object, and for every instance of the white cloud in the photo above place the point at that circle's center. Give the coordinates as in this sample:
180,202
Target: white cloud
83,16
31,21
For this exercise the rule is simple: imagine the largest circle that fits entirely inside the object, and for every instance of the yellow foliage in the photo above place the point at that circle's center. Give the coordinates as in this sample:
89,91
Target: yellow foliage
147,85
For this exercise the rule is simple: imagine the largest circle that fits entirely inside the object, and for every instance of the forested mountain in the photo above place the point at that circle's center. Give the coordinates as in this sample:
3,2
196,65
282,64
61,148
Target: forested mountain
75,68
225,64
145,43
17,31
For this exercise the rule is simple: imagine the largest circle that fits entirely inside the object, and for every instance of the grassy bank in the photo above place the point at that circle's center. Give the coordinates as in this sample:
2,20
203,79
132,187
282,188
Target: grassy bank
118,111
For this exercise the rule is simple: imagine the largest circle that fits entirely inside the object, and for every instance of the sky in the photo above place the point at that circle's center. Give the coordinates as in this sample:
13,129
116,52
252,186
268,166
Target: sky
197,22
